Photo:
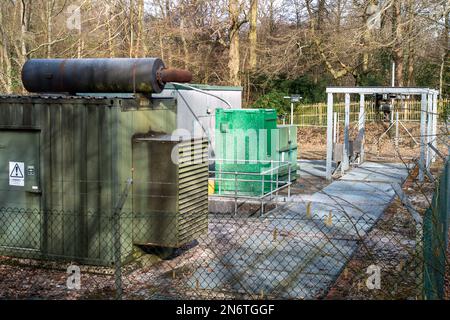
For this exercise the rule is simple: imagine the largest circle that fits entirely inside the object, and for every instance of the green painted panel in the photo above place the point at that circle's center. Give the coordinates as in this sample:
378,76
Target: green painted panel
20,189
84,154
249,141
287,151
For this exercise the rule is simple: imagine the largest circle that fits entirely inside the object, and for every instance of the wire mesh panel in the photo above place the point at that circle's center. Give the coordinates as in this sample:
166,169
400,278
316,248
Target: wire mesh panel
43,254
153,236
297,251
286,254
436,238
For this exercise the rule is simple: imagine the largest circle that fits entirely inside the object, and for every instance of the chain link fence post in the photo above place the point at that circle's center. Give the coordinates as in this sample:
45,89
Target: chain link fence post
419,265
116,232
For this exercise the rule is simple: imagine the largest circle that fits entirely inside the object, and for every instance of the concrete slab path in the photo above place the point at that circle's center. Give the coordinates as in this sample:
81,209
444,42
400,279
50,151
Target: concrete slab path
299,249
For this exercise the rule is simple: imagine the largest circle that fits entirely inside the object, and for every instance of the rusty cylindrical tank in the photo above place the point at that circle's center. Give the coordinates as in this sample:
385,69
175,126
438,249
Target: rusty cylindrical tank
117,75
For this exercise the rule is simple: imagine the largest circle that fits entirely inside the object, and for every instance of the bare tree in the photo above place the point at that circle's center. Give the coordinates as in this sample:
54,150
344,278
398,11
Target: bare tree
253,33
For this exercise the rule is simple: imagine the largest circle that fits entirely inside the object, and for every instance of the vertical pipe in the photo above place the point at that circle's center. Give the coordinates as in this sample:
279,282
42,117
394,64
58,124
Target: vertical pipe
329,135
435,121
235,193
345,153
396,130
220,179
362,123
423,120
271,179
262,186
429,130
292,113
393,74
289,180
276,196
334,127
262,195
337,128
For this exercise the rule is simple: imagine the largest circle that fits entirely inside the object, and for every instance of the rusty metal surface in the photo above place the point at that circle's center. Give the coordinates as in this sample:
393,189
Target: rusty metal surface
58,97
118,75
174,75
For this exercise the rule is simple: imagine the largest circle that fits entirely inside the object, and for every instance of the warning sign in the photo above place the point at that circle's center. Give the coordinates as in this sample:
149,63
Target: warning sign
16,170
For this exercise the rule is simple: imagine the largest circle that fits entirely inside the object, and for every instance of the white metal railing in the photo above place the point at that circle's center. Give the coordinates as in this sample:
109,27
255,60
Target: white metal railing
273,171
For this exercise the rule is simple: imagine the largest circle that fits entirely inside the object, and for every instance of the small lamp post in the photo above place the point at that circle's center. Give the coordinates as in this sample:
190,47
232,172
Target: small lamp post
293,98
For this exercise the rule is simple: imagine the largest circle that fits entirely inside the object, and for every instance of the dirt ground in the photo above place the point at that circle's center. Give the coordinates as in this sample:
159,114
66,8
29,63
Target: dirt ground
398,276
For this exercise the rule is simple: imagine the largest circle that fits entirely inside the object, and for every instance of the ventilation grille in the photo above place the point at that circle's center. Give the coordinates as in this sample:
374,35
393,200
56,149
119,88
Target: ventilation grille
193,189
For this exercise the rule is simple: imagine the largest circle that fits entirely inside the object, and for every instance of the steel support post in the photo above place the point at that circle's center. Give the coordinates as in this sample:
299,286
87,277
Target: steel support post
423,122
329,135
345,153
429,130
362,124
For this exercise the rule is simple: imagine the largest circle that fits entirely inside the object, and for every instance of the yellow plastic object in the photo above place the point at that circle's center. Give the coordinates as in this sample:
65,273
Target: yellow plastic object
210,186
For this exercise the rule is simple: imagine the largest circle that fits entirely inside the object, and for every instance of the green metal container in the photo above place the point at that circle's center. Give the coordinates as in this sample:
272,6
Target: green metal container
287,151
249,141
74,156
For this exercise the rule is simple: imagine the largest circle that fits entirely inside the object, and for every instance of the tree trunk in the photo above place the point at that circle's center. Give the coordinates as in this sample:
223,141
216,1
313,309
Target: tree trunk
252,34
316,37
49,18
410,79
445,54
338,15
131,24
398,45
409,48
169,24
111,50
184,42
22,56
161,45
5,59
320,14
234,60
139,41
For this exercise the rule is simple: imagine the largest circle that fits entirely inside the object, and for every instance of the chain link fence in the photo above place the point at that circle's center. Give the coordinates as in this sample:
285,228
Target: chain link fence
436,226
299,250
323,244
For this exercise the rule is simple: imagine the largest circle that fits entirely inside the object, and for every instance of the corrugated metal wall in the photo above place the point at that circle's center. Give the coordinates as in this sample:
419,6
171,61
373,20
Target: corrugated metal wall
85,160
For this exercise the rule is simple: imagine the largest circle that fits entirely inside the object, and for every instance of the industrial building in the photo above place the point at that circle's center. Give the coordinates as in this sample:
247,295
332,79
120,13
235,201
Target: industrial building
74,153
104,153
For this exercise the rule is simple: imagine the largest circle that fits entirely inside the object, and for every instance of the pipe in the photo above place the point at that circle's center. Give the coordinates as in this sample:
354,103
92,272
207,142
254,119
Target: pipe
174,75
117,75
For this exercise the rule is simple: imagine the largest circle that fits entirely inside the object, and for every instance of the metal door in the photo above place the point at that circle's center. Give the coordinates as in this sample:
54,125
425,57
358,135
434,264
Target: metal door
20,191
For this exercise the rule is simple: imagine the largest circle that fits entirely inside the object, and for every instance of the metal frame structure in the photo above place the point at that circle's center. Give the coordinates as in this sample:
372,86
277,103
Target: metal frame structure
280,184
428,122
